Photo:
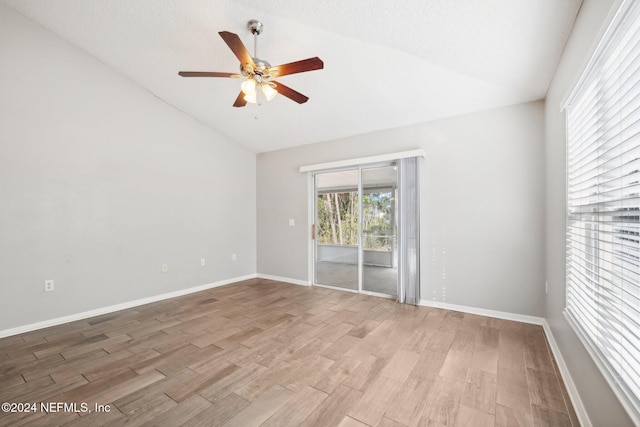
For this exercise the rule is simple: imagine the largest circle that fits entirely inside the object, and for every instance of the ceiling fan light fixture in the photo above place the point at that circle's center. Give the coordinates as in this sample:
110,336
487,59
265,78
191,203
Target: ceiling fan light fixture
251,94
251,98
268,91
249,87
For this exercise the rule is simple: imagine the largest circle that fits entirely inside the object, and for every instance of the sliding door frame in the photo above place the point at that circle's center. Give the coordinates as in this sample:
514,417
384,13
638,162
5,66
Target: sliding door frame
313,213
339,165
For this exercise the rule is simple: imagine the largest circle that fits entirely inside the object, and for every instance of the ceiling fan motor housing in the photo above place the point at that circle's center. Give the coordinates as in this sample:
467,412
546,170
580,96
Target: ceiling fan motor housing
260,73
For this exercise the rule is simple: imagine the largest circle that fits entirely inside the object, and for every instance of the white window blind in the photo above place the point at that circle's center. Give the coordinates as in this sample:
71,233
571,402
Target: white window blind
603,199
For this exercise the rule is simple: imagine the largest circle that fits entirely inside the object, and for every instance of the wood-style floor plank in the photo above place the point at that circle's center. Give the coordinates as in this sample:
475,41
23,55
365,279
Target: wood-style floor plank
480,391
473,417
220,411
261,352
334,408
409,402
507,417
261,408
297,409
400,365
376,400
443,402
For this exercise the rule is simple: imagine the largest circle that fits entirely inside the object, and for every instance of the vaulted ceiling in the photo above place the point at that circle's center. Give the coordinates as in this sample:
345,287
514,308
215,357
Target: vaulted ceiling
387,63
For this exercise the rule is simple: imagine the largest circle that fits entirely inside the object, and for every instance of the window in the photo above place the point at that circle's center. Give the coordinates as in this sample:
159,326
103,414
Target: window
603,206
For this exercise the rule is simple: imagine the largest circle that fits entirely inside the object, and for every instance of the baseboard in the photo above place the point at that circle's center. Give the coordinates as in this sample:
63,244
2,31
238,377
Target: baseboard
118,307
578,406
484,312
283,279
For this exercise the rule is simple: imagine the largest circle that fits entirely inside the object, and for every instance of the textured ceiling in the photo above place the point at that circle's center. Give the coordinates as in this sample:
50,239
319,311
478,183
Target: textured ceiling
388,63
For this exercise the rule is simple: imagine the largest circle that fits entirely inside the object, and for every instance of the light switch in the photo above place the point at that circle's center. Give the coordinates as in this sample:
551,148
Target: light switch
292,222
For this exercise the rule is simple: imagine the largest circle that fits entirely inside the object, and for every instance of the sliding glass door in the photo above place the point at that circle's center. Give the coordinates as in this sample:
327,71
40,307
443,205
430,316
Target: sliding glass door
336,229
356,225
379,230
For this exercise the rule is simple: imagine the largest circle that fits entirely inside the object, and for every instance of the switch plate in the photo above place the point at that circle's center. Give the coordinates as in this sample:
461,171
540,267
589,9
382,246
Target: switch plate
233,257
165,268
49,286
202,261
292,222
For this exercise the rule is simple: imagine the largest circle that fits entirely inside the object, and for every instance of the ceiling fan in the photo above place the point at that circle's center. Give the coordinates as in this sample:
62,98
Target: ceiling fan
258,72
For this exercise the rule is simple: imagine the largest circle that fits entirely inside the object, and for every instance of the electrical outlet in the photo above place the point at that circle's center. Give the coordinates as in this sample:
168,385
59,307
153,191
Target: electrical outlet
165,268
233,257
49,286
202,261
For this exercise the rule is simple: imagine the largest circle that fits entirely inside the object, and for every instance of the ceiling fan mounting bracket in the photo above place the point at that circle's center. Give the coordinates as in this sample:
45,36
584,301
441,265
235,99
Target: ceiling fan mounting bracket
255,27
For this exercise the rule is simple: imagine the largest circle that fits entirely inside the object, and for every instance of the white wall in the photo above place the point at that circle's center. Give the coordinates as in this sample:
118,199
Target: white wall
482,185
600,402
101,183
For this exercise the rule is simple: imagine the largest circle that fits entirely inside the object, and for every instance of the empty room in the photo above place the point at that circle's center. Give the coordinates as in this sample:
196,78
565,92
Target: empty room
297,213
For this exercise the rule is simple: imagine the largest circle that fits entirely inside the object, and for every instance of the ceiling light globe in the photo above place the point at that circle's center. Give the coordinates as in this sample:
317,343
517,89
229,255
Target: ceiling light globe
268,91
249,87
251,97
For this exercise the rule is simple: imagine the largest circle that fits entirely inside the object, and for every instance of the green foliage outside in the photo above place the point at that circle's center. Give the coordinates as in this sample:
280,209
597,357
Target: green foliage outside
338,219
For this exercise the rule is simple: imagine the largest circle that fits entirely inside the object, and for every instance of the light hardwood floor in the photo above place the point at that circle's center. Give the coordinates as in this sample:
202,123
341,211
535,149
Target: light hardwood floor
267,353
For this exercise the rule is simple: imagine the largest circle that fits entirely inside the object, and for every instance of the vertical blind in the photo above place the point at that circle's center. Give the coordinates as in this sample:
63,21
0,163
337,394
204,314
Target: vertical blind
603,201
409,232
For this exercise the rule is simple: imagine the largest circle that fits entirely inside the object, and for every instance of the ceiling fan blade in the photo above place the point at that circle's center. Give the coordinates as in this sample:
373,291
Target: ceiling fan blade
207,74
235,44
240,102
309,64
290,93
